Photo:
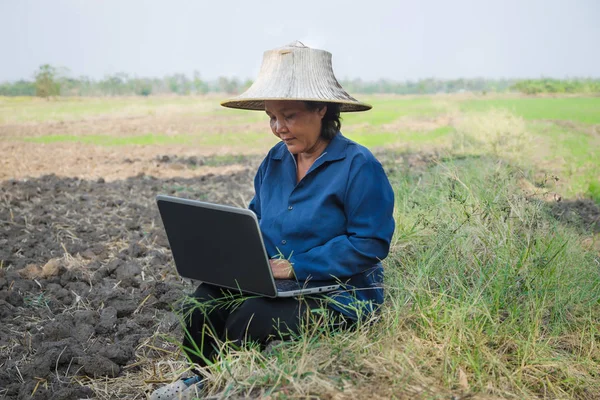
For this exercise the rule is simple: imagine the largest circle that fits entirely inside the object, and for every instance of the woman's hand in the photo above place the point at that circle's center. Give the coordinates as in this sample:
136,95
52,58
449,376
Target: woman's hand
282,269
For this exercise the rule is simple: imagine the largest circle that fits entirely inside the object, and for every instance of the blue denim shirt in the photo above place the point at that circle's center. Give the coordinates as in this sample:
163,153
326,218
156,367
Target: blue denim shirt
335,224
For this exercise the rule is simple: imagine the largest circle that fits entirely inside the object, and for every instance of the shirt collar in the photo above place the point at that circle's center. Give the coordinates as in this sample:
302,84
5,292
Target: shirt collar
335,150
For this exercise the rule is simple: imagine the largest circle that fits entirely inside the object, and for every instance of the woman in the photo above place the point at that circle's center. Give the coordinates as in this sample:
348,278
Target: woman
324,206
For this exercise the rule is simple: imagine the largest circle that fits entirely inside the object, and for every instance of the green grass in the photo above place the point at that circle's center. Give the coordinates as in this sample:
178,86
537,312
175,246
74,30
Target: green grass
495,279
486,293
388,109
569,151
594,191
575,154
578,109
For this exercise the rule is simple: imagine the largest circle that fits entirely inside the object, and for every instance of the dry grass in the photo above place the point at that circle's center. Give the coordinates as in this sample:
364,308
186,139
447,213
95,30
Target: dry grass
495,132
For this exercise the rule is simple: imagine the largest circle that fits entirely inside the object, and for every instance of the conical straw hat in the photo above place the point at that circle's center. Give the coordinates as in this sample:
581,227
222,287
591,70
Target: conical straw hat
295,72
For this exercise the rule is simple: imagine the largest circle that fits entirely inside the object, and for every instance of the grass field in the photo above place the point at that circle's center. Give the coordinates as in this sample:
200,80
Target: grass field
584,110
493,284
562,133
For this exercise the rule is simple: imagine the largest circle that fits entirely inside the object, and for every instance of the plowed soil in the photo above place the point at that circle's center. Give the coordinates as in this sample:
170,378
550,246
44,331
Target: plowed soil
87,276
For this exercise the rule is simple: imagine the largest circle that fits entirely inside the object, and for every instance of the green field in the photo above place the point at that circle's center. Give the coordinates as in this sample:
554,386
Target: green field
562,133
577,109
560,136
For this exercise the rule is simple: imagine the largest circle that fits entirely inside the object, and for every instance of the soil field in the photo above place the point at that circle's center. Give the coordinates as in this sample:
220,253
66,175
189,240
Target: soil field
87,282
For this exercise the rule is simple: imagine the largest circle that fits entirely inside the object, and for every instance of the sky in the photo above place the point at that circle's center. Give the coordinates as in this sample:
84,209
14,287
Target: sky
398,40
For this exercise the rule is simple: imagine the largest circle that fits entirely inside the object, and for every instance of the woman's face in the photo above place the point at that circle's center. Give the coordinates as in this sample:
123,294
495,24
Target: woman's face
298,127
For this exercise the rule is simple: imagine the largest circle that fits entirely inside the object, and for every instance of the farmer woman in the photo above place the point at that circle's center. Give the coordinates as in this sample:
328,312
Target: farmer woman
324,206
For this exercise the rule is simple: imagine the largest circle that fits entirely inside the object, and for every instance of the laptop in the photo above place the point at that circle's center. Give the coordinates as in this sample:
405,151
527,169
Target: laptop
223,246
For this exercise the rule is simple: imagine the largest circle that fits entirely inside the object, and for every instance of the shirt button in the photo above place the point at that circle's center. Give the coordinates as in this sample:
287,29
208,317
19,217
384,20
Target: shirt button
283,241
290,207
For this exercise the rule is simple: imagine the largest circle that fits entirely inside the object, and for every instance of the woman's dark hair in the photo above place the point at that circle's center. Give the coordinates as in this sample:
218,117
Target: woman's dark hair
331,122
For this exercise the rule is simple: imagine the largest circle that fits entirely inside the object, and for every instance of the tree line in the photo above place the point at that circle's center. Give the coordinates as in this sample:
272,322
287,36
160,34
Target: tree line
50,81
549,85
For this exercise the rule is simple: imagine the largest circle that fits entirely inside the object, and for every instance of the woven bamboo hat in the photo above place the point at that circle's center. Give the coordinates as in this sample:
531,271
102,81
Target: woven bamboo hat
295,72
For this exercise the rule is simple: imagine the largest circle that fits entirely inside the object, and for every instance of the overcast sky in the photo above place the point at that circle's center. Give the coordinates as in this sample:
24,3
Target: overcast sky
369,39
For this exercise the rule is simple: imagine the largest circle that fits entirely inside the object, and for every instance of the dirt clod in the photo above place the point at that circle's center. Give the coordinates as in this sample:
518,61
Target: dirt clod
99,366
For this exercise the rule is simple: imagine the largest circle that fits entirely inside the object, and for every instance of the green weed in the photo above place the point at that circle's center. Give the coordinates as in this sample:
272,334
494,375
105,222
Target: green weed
570,154
594,191
485,293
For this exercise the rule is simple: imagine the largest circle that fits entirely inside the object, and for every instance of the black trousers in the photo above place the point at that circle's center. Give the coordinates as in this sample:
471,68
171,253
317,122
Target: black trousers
214,314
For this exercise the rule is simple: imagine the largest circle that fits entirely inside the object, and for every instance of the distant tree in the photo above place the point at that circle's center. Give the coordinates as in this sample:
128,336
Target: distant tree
234,86
199,85
179,84
114,85
141,86
223,85
549,85
247,83
50,81
46,81
71,87
19,88
173,83
87,87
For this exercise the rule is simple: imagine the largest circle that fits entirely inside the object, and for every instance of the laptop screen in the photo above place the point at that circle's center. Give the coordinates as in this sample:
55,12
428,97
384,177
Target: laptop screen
217,244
